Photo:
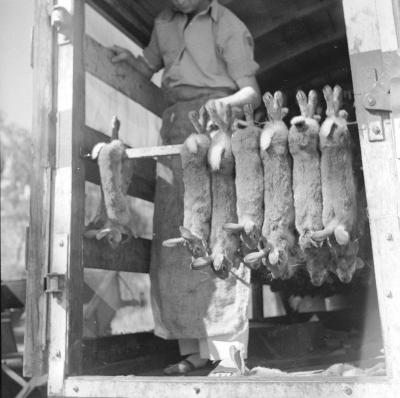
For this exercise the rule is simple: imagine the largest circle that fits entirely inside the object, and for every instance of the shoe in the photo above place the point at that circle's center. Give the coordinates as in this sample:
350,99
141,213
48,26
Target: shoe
182,367
225,371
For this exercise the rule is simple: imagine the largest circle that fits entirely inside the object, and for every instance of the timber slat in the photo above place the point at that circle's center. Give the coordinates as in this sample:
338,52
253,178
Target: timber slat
43,133
154,151
122,77
132,256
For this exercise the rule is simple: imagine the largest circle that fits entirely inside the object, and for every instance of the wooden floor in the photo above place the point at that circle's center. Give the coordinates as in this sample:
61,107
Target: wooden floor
300,347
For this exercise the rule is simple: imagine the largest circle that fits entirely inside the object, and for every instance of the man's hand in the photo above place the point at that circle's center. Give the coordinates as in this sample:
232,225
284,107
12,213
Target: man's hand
248,93
139,63
122,55
219,105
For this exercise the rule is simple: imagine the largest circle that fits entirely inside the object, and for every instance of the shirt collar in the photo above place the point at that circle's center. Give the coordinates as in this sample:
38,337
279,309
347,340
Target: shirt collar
213,9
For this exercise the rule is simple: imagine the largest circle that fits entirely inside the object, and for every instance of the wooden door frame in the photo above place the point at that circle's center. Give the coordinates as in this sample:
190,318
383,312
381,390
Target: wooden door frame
66,249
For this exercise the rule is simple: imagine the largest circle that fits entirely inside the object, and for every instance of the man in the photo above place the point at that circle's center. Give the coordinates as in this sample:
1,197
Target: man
207,55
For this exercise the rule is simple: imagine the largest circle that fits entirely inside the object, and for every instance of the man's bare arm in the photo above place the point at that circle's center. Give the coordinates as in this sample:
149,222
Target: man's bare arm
248,93
139,63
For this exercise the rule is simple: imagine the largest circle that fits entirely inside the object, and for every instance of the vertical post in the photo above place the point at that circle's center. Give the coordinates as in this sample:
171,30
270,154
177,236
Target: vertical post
65,310
373,50
43,132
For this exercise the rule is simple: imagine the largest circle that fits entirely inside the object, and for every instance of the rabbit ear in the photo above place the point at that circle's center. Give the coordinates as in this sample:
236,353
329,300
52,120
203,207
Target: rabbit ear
312,103
254,257
302,101
201,262
194,119
115,125
278,103
337,99
248,113
229,119
268,102
187,234
359,263
278,99
233,227
203,118
214,116
328,95
353,248
173,242
91,233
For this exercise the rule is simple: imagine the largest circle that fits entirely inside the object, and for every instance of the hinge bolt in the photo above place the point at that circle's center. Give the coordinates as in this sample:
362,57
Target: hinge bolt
376,130
61,244
347,390
371,101
389,236
76,389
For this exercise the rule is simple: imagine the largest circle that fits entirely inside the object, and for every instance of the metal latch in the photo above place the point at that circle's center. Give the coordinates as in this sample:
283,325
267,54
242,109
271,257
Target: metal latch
54,283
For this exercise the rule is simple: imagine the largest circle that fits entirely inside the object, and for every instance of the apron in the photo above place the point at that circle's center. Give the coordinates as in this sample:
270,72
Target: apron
187,303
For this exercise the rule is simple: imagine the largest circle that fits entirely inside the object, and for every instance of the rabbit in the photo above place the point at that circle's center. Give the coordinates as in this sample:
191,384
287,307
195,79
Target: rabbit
197,194
224,245
338,186
307,190
278,225
114,218
249,181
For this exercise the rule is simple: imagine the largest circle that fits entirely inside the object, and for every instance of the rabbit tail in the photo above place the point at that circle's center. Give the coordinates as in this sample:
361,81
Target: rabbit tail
191,144
215,156
341,235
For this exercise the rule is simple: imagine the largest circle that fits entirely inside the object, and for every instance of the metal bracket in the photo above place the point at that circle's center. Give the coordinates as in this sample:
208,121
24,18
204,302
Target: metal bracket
378,98
61,19
54,283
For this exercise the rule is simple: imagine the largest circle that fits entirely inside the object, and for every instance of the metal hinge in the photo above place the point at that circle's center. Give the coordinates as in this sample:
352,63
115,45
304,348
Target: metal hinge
382,98
382,95
54,283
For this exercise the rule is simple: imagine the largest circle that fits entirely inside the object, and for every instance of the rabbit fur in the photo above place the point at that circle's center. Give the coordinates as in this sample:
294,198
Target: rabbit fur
338,186
249,182
197,189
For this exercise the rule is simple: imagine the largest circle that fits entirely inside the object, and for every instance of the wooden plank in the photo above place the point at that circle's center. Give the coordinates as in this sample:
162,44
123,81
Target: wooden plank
294,52
123,19
236,387
68,207
133,256
144,168
139,188
365,37
153,152
122,77
43,128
